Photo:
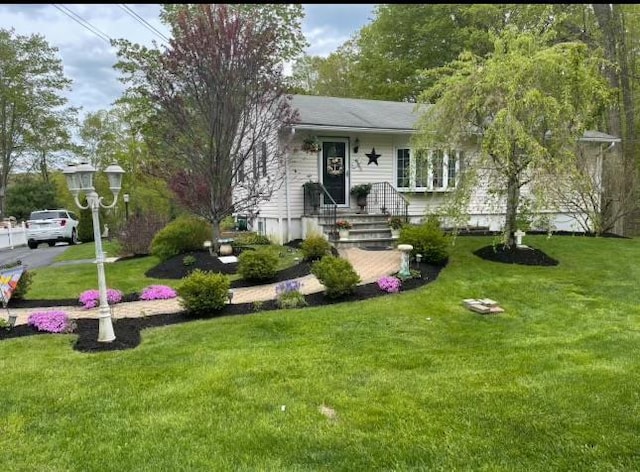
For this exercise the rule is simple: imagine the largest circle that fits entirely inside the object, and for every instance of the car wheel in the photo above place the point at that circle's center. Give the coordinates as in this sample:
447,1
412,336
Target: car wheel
32,244
51,243
74,237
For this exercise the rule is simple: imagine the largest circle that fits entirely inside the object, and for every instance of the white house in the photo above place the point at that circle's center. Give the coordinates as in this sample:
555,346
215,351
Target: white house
368,141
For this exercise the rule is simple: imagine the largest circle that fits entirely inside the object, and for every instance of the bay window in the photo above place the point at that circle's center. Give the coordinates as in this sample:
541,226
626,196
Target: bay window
427,171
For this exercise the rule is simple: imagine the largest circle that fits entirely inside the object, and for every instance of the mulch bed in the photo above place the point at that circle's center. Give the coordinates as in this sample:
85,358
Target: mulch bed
127,330
515,255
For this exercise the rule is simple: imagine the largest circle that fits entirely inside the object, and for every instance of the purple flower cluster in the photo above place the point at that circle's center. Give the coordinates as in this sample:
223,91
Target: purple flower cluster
157,292
50,321
389,284
91,298
287,287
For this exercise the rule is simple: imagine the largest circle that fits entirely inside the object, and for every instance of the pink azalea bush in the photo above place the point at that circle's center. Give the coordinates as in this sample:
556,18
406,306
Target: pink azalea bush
389,284
91,298
51,321
157,292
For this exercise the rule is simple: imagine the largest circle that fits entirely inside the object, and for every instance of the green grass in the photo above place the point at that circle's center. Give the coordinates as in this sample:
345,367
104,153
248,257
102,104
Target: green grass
418,382
50,283
88,251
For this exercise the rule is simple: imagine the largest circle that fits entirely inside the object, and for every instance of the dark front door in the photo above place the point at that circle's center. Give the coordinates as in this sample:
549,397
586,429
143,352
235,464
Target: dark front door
334,169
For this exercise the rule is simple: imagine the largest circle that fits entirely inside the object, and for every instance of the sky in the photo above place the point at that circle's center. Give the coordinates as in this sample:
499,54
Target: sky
88,58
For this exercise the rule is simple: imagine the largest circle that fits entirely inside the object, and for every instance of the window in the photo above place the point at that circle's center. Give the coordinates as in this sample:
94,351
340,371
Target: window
433,171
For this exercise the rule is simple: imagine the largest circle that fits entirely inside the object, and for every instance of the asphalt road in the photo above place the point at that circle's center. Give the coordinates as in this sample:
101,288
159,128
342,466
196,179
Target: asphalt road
32,258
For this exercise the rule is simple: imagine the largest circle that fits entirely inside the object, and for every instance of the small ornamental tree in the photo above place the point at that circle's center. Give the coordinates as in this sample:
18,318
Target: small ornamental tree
218,93
527,104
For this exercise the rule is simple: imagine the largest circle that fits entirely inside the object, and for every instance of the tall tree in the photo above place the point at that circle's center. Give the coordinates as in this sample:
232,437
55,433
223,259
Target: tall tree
31,84
218,98
622,121
528,103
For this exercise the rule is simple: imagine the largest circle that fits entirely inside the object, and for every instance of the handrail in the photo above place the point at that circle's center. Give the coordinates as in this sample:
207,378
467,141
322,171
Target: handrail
385,199
318,202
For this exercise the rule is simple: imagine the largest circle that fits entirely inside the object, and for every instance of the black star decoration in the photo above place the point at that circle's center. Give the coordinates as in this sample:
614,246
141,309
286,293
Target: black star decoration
373,157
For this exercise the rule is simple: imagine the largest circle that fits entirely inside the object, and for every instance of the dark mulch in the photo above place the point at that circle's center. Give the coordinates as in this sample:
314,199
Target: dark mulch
127,330
524,256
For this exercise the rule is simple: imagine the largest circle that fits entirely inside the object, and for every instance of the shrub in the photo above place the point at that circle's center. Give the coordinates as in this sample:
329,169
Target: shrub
51,322
201,291
188,260
336,274
23,286
427,239
251,239
228,223
389,284
261,264
288,294
138,232
91,298
315,247
186,233
157,292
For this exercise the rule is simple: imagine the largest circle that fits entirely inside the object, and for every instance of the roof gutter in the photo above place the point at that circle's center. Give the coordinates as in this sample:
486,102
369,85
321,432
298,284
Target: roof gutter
354,129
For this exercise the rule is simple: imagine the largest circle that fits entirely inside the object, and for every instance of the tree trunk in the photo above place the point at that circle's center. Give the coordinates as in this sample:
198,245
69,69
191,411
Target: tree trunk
511,212
215,235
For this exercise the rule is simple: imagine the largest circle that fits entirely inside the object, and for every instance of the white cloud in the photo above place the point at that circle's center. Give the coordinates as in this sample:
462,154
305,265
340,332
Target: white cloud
88,60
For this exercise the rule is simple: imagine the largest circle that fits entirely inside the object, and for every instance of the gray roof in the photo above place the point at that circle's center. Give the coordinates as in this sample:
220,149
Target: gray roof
374,115
354,113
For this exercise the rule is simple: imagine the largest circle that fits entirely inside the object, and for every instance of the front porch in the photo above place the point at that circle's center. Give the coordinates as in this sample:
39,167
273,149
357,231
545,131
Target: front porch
370,223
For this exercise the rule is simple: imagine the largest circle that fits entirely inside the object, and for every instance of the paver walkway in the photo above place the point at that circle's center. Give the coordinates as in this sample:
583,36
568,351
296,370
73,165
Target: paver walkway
370,265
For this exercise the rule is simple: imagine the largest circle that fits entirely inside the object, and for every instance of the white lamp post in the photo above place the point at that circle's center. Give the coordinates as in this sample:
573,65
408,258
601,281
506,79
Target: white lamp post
80,179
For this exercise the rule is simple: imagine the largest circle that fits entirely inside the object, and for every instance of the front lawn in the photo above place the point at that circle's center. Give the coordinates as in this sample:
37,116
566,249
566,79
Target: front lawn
411,381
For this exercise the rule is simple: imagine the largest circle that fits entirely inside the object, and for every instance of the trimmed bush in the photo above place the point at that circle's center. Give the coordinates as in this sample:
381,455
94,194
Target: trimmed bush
427,239
23,286
249,238
261,264
315,247
201,292
186,233
138,232
336,274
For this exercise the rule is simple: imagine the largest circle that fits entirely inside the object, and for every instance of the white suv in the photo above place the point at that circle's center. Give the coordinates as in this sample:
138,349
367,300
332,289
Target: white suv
52,226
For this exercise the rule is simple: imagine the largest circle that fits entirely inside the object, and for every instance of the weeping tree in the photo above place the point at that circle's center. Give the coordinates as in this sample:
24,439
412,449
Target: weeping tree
218,103
526,104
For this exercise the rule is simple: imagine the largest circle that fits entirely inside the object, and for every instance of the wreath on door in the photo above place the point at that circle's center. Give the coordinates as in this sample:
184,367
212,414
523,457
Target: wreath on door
335,166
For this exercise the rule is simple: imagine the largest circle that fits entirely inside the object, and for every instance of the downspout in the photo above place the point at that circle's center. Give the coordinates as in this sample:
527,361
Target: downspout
287,193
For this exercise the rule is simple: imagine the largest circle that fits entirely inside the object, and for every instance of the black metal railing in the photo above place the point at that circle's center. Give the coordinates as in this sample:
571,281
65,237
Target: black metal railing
385,199
318,202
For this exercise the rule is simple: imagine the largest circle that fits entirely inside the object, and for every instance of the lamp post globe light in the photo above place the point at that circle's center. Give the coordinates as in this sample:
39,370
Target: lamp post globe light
80,179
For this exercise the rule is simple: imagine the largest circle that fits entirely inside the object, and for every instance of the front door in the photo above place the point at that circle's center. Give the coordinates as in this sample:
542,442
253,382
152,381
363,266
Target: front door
335,169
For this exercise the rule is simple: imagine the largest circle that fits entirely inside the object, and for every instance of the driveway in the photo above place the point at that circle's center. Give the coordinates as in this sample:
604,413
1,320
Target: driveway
32,258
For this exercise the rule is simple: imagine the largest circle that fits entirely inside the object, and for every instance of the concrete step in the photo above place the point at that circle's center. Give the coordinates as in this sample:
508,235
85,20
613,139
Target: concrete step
365,242
358,232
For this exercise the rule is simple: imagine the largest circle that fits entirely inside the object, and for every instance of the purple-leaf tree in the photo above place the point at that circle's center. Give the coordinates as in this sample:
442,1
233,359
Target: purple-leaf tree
219,91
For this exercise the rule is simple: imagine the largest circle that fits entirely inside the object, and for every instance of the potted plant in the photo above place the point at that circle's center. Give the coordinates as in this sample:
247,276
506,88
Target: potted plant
395,223
311,144
361,192
343,228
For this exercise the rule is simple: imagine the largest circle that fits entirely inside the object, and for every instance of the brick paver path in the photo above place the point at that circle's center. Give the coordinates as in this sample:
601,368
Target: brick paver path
370,265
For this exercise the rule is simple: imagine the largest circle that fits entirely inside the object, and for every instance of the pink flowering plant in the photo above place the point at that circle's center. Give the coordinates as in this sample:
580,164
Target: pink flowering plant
51,322
91,298
157,292
389,284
